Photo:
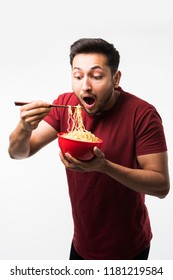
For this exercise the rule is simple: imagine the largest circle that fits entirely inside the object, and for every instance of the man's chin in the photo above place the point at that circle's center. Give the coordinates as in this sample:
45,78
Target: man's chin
93,111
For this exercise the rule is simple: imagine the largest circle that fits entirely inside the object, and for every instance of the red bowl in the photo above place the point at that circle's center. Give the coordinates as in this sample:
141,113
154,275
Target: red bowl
80,150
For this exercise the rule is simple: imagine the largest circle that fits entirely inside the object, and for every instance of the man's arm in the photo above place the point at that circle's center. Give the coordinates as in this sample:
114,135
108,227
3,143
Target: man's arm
31,133
151,179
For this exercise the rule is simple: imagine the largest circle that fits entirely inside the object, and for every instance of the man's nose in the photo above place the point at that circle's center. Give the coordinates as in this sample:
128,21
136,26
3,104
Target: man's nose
86,85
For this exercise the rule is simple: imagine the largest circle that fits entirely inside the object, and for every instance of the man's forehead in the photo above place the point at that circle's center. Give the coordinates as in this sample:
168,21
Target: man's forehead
91,61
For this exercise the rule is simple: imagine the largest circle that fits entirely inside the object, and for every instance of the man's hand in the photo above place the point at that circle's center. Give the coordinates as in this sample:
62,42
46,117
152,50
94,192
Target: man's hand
32,113
95,164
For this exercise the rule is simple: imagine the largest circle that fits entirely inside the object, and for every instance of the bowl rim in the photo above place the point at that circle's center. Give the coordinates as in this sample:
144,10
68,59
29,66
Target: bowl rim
59,134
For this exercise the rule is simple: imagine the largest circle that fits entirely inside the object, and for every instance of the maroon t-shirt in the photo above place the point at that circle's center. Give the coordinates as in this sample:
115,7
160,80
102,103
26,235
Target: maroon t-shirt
110,220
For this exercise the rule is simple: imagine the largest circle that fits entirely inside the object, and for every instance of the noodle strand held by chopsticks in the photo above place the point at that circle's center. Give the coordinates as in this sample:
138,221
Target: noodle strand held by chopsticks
76,129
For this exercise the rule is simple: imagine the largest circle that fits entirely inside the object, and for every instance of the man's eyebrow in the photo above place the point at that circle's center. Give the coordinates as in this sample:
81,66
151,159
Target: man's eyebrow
76,68
97,67
92,68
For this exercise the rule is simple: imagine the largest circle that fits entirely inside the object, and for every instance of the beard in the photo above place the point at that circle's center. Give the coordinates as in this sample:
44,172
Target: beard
104,103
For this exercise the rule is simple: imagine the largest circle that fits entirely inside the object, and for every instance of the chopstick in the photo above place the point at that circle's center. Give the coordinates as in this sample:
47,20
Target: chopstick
18,103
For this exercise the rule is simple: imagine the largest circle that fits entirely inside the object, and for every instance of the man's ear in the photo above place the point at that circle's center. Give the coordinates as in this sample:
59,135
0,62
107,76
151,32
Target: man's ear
117,78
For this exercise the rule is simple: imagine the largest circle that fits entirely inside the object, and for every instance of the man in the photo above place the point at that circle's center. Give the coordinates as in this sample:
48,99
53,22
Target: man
107,193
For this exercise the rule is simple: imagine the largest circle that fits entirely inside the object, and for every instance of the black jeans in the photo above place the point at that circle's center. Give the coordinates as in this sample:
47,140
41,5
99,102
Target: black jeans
142,256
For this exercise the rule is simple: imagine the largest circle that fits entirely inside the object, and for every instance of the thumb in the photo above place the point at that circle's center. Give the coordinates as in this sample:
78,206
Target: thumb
98,153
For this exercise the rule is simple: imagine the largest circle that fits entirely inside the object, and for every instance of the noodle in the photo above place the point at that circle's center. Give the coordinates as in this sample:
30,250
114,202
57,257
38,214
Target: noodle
76,129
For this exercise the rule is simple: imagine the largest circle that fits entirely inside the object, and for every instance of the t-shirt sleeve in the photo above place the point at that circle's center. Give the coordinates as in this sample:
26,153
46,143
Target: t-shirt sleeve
58,117
51,121
149,131
53,117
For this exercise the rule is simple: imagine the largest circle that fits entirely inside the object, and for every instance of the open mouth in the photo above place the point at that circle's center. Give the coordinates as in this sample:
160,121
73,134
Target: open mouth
89,100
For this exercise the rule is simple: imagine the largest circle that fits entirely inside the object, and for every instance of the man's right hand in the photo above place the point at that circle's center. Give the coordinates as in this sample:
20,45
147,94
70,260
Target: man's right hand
32,113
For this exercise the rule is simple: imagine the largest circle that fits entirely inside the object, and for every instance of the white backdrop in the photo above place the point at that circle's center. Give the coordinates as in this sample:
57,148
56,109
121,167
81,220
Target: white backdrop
35,37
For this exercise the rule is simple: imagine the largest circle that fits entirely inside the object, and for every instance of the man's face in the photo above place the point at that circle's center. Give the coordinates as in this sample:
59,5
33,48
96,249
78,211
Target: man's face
92,82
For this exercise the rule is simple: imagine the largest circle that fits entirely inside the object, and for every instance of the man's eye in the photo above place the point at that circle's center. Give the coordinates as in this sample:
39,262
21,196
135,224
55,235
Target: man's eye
97,77
77,77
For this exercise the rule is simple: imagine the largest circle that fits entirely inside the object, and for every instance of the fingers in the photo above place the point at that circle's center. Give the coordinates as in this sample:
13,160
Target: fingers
32,113
68,159
70,162
99,154
35,110
95,164
35,104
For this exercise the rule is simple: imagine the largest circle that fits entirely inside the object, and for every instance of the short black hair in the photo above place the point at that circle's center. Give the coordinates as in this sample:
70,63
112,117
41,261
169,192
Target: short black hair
96,45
